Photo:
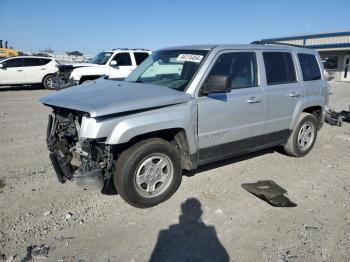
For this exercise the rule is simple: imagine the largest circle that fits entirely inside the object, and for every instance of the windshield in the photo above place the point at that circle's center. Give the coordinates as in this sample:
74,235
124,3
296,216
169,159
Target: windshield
101,58
170,68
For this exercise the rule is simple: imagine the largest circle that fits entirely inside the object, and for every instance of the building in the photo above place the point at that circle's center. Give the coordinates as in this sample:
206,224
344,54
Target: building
334,49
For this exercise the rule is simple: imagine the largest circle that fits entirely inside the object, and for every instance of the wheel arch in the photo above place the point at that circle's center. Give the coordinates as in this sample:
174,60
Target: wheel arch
43,80
49,74
313,106
176,136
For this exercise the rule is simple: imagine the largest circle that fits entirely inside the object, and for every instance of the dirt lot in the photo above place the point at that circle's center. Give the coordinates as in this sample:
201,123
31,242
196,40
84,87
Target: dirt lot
210,218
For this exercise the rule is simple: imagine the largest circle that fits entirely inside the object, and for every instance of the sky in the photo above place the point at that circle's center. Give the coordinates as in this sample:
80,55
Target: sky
94,25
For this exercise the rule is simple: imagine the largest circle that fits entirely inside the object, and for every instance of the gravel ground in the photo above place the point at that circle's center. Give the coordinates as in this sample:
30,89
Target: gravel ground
210,218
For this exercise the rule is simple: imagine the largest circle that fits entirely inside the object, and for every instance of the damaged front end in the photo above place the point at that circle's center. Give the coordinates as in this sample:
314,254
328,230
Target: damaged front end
62,79
89,162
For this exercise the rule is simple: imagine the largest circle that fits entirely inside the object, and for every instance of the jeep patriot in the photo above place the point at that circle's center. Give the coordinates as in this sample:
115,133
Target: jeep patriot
184,107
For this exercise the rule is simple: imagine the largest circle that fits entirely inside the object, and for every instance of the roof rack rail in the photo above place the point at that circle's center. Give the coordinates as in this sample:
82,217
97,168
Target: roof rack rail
141,49
125,48
120,48
262,42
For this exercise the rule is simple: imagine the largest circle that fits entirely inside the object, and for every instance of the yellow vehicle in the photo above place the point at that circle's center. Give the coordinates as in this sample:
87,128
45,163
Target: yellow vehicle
6,52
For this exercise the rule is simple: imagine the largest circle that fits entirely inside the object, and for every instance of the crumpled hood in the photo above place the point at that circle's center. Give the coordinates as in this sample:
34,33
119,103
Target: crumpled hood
104,97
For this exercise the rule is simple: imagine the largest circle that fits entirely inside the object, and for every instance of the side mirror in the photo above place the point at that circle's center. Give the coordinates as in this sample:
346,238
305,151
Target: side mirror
113,63
217,84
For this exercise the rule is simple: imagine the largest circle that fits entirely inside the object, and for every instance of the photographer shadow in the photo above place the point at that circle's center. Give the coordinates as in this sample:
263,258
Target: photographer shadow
189,240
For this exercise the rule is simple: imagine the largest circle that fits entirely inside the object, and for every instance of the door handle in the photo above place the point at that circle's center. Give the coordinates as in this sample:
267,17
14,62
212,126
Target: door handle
294,94
43,68
19,70
253,100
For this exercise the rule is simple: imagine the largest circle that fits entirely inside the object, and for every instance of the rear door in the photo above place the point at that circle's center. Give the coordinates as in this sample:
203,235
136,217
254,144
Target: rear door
231,123
12,72
283,92
140,57
123,67
35,69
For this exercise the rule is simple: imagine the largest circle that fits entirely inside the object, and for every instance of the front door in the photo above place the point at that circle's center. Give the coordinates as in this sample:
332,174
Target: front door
230,123
12,72
123,67
346,69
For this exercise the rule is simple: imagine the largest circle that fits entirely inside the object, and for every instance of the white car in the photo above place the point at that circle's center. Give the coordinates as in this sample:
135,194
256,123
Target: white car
115,64
28,70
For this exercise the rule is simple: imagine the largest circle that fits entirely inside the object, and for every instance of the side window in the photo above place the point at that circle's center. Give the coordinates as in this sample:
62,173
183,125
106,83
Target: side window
241,67
279,68
140,56
44,61
123,59
32,62
309,67
16,62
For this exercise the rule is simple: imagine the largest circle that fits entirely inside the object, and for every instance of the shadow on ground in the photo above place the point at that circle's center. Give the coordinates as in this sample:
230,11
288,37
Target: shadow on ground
269,192
20,88
189,240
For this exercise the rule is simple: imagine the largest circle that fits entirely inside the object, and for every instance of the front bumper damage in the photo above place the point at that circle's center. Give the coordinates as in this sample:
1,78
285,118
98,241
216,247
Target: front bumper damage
62,83
63,79
89,162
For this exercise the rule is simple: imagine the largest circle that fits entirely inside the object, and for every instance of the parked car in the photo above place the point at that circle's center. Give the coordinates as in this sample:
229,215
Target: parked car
28,70
184,107
115,64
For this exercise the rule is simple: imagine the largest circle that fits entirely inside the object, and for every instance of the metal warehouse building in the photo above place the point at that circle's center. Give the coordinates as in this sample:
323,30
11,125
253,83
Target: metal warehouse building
334,49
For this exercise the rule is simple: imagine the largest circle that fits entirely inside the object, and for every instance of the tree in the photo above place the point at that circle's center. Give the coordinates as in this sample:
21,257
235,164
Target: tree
47,50
76,53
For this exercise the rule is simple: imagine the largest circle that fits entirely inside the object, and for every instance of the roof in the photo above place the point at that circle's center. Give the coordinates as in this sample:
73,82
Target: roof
30,56
235,46
129,49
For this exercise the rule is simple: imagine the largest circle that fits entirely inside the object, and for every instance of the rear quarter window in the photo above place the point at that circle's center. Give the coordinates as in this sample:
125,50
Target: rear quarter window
44,61
309,67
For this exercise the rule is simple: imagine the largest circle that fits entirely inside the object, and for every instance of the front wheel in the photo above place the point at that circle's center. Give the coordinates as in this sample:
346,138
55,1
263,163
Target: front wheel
148,173
48,82
303,137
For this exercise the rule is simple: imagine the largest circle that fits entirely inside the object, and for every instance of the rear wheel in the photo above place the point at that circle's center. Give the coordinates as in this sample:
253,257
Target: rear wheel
48,82
148,173
303,136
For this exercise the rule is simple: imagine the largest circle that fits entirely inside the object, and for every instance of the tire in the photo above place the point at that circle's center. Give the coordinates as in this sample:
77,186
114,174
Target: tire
140,178
301,142
48,82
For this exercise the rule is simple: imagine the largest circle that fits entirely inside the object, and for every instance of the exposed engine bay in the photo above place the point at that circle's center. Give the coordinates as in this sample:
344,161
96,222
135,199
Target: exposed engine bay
89,162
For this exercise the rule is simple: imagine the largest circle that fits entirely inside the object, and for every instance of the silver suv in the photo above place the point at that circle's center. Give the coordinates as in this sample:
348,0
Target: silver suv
181,108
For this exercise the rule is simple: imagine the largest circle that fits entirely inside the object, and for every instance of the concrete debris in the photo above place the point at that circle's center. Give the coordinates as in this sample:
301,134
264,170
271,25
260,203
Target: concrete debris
62,238
47,213
218,211
11,258
41,251
68,216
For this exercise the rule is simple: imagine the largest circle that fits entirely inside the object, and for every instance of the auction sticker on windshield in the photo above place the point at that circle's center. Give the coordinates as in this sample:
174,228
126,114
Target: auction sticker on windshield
189,58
